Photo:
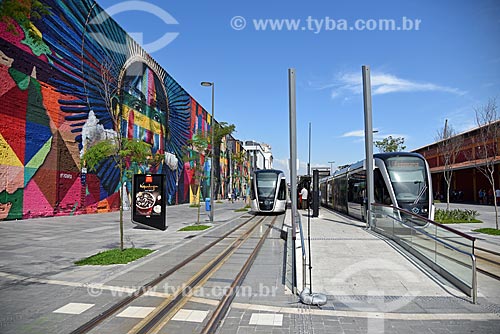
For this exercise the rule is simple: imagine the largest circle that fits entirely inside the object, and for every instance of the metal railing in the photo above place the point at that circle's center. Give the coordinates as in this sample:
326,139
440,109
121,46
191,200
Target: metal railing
447,251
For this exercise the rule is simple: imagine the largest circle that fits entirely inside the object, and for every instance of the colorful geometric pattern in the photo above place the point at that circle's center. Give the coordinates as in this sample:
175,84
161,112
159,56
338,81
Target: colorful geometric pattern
53,107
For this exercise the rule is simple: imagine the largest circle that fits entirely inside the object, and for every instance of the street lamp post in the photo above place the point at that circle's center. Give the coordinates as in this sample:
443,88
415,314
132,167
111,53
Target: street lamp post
331,166
212,190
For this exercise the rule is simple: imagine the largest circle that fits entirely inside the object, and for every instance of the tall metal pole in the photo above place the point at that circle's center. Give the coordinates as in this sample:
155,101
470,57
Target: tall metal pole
212,190
367,99
309,214
309,161
293,163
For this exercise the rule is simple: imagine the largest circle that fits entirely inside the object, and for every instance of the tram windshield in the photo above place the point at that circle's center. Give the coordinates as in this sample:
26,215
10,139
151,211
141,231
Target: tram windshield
266,184
408,178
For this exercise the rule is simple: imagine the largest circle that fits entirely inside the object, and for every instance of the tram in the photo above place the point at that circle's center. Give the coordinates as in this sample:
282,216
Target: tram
401,179
268,191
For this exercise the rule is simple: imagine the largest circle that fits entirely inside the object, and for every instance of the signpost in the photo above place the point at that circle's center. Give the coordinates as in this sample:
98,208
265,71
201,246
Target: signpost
149,201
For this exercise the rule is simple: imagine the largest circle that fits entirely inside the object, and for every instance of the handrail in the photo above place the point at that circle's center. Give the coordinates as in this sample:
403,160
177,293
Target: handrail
430,236
429,221
471,255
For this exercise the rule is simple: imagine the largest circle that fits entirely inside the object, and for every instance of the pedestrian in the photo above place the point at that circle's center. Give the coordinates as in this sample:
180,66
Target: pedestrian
481,196
304,194
490,196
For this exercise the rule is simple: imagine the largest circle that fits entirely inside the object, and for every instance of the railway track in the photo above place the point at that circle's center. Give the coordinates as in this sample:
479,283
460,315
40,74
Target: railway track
164,312
488,262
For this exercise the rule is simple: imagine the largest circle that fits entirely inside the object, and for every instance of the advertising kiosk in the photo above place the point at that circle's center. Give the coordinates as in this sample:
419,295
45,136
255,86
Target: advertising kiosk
149,201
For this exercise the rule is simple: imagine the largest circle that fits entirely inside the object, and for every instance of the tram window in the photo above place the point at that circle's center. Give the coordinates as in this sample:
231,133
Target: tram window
381,193
282,190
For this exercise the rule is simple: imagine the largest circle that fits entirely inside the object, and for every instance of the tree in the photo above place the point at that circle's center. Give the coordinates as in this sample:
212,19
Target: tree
122,151
238,160
200,146
486,149
221,130
109,89
197,147
449,146
390,144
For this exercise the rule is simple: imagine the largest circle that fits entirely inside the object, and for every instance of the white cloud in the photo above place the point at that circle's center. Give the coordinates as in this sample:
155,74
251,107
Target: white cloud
382,83
360,135
355,133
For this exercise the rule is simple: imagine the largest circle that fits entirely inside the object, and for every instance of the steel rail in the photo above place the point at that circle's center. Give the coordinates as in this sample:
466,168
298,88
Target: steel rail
223,306
92,323
162,315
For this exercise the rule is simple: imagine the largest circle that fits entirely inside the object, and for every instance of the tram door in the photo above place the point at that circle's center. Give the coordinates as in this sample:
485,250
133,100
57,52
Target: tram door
356,194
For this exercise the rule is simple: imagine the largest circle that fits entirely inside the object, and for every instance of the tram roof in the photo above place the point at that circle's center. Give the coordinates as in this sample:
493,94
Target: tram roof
383,156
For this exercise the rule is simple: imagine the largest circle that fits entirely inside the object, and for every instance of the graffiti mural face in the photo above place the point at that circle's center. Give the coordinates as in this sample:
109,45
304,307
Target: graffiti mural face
144,106
53,108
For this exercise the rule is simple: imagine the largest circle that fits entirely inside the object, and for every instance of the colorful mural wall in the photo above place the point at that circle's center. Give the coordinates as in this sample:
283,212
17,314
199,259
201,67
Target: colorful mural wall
79,80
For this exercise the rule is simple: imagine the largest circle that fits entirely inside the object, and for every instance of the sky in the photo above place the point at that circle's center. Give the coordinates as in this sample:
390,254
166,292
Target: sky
435,60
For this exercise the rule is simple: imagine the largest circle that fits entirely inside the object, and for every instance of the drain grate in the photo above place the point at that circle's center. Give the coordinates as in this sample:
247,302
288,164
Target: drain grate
190,236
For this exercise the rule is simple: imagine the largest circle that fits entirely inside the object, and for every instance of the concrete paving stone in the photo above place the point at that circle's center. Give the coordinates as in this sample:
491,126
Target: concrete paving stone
190,315
281,331
228,331
135,312
73,308
266,319
245,330
180,328
231,322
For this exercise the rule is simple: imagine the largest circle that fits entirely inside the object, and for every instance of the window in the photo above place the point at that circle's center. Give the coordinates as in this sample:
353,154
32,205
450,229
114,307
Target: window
282,190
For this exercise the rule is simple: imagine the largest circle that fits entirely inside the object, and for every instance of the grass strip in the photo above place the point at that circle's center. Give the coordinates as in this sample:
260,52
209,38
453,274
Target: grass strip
241,210
459,221
488,230
114,256
194,228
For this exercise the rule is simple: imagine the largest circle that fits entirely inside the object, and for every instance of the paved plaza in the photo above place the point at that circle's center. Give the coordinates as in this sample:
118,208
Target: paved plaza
371,285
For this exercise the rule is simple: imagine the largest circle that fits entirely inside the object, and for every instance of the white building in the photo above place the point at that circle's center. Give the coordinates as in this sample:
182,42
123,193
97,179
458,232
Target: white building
260,155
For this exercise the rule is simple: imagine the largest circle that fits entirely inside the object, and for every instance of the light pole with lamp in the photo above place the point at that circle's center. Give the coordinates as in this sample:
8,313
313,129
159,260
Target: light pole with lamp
212,190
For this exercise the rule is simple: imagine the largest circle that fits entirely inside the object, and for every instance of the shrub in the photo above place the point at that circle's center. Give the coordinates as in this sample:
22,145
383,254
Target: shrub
456,216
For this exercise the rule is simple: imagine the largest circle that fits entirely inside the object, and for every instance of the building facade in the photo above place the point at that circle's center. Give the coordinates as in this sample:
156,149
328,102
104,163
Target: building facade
75,79
476,150
261,156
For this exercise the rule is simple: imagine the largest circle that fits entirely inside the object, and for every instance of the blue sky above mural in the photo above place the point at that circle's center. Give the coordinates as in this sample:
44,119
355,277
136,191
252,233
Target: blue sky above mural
439,60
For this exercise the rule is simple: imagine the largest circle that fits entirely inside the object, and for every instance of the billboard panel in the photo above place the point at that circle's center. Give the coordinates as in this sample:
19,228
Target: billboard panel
149,201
